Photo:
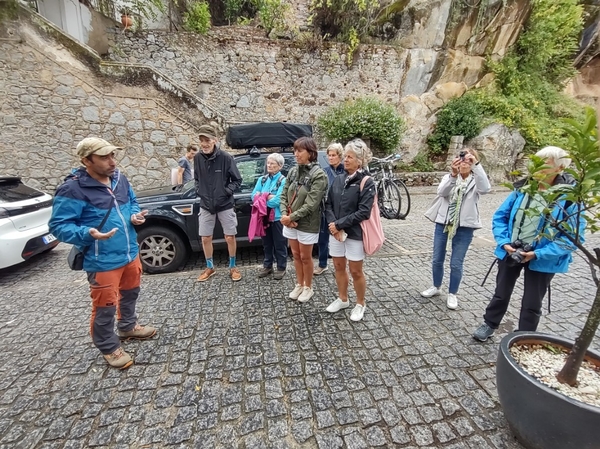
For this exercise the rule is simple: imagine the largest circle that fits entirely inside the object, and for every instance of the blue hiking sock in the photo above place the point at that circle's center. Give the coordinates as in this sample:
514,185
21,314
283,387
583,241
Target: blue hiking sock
231,261
209,263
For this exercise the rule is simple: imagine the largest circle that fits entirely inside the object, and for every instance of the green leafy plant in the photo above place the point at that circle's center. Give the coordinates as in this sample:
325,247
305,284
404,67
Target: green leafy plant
459,117
8,10
584,150
366,118
272,14
233,9
197,18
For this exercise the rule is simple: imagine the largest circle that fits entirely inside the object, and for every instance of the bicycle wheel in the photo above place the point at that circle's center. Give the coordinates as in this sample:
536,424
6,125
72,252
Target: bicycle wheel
389,199
405,203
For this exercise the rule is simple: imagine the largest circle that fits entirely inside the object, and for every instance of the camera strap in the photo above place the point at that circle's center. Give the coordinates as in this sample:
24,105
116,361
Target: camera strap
489,271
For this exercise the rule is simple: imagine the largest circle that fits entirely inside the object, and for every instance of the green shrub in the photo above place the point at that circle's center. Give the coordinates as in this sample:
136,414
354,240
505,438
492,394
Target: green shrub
272,14
197,18
365,118
459,117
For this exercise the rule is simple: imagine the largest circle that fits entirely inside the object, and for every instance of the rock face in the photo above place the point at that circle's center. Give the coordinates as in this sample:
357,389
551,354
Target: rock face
500,150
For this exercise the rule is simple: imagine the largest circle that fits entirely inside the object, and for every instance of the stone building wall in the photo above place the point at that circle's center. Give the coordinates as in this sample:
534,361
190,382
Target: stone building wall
248,77
50,100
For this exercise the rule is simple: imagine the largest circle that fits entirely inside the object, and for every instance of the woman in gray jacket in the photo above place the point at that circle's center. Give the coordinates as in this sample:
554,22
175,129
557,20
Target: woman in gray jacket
456,216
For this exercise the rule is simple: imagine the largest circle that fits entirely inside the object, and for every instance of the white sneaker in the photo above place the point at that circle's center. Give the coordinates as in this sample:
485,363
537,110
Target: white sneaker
431,291
337,305
296,292
306,294
452,301
357,312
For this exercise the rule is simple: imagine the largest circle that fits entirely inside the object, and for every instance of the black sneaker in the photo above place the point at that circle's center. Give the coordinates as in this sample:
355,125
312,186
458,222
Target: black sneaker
483,332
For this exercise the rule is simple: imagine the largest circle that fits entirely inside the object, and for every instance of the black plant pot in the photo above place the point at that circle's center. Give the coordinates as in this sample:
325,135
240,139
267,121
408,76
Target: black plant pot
538,416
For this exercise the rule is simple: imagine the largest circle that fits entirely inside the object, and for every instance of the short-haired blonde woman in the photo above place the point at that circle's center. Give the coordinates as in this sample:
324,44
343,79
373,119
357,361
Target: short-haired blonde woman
456,216
301,213
335,168
274,243
347,206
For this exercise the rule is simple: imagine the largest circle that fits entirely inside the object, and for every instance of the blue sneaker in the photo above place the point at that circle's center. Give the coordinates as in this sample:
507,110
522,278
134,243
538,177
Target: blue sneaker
483,332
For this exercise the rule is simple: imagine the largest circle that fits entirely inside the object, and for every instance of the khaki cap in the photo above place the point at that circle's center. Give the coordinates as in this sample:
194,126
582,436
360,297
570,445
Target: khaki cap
95,145
207,131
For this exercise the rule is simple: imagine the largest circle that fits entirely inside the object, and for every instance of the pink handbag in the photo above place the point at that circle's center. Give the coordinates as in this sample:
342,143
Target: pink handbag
372,229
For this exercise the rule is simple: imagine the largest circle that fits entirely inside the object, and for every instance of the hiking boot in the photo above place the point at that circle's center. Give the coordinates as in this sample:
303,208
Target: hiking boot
337,305
320,270
294,294
235,274
431,291
452,301
138,333
119,359
358,312
483,332
206,274
265,272
278,275
306,294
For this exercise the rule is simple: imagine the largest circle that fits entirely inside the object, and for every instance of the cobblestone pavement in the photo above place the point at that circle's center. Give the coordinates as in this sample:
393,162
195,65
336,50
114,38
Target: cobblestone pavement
240,366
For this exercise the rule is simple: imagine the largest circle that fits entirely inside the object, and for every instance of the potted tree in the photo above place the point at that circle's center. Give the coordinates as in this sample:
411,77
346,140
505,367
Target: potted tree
540,416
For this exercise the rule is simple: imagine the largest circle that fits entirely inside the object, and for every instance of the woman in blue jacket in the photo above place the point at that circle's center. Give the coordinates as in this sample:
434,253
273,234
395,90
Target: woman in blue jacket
274,243
525,242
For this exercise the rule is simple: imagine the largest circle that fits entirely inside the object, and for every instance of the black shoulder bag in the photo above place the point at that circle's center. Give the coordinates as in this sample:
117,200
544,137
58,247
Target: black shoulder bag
75,257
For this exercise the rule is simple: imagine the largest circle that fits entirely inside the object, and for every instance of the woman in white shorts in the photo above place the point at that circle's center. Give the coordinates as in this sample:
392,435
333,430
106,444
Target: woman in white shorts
301,198
347,206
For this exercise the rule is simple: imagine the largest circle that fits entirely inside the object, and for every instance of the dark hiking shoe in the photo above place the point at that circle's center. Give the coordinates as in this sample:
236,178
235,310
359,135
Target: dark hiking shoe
265,272
279,274
138,333
483,332
119,359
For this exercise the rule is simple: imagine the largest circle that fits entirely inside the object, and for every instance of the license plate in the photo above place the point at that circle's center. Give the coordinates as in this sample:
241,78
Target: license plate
48,238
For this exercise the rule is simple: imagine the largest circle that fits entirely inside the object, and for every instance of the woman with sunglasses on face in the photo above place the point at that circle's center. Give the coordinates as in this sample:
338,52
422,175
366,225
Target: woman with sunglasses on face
301,213
456,216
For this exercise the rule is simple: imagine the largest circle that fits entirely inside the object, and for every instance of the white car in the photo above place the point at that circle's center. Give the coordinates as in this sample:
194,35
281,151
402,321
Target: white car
24,216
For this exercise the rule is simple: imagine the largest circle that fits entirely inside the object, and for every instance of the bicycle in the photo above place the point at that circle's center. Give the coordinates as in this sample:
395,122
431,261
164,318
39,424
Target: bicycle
390,190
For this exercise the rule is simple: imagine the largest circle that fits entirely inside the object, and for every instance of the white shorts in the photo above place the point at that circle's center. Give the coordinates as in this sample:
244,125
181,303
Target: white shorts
350,249
306,238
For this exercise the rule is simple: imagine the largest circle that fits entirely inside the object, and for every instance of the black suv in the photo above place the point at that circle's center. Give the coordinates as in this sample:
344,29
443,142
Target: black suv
171,228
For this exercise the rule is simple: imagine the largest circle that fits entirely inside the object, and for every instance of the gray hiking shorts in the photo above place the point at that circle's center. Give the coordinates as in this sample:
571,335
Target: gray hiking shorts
207,221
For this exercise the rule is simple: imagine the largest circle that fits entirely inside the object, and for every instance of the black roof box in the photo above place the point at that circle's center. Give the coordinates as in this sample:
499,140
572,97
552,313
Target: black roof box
266,135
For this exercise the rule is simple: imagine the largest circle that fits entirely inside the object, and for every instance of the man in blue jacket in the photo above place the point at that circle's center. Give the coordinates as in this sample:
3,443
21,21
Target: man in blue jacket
110,254
526,243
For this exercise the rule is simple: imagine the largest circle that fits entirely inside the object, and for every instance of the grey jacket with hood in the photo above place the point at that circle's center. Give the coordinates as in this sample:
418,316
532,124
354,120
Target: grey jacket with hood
469,211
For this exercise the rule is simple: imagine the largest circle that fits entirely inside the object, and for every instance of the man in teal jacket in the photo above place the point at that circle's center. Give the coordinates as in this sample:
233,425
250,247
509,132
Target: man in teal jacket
526,242
111,257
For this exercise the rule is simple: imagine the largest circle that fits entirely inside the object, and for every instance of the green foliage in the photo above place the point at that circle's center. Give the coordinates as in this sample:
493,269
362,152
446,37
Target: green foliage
366,118
526,94
420,163
272,14
459,117
550,39
197,18
233,9
8,10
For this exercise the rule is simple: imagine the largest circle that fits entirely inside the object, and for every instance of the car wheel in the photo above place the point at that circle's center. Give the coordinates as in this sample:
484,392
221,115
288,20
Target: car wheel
162,250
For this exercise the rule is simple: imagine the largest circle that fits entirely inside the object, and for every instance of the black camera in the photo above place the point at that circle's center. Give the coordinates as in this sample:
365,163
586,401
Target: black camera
462,155
517,257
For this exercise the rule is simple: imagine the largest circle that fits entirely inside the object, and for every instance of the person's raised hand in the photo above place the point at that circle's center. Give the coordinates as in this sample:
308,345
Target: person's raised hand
139,218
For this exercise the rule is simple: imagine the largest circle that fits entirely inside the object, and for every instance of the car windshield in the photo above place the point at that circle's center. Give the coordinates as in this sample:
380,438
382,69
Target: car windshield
12,190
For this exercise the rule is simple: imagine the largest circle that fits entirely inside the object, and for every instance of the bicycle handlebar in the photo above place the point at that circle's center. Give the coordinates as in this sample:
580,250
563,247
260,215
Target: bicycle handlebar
390,158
